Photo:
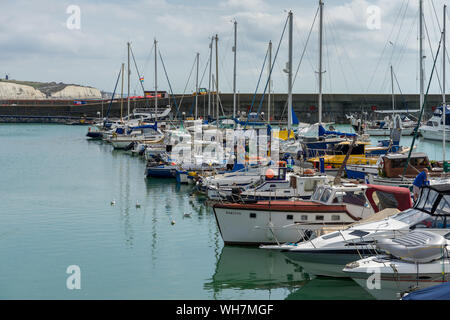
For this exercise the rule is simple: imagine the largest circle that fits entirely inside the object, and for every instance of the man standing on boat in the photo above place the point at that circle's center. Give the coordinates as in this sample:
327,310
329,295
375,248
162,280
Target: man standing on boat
420,181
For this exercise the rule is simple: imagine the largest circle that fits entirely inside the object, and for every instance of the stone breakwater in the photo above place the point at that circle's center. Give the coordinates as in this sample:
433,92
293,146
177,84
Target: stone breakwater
335,106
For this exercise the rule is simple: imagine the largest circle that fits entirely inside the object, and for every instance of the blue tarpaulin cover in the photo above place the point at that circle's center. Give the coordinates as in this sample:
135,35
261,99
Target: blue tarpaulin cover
323,131
439,292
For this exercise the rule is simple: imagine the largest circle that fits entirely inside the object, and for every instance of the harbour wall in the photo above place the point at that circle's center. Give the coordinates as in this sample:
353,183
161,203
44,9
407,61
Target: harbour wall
335,106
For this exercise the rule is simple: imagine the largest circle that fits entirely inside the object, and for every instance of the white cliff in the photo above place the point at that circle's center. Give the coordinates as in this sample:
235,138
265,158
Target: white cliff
15,91
77,92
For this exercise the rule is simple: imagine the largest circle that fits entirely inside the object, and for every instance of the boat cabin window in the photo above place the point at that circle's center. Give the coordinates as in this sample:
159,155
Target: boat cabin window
356,198
310,184
411,216
427,200
357,149
443,207
326,195
317,194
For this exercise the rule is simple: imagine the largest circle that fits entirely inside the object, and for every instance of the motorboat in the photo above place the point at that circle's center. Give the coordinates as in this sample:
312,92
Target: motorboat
280,221
328,254
414,261
434,128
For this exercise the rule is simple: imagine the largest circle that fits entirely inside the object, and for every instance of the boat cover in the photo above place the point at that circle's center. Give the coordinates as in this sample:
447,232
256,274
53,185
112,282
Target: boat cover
439,292
416,246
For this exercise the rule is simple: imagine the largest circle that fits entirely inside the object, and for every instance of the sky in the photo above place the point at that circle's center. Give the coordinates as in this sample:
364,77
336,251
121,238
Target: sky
362,39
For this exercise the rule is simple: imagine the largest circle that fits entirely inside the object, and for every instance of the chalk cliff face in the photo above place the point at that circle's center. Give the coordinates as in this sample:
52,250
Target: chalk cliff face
14,91
77,92
18,90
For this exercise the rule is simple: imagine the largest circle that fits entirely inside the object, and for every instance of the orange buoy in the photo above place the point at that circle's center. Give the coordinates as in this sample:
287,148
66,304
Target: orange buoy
270,174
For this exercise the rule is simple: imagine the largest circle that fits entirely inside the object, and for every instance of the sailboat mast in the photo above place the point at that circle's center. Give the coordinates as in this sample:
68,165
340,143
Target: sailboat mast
392,85
290,74
121,95
270,80
156,80
129,72
421,53
210,69
196,88
234,71
320,59
444,104
217,76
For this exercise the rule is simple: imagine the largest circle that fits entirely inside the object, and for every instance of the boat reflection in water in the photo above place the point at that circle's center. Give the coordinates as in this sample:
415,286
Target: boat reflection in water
326,288
244,268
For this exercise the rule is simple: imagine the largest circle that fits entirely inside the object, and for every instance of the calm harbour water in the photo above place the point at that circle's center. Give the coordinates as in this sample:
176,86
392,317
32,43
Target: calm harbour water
56,188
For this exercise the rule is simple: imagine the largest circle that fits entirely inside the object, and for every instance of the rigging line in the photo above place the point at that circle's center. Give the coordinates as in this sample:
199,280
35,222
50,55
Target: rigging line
259,80
325,36
170,86
400,60
149,57
304,48
139,75
333,37
394,49
271,69
112,97
204,71
187,83
270,73
432,54
384,49
416,129
439,26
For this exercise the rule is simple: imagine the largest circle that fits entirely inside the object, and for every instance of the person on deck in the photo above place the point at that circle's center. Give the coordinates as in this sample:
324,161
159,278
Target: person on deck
420,181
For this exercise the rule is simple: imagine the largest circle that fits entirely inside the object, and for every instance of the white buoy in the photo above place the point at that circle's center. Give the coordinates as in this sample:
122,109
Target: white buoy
138,205
172,222
113,202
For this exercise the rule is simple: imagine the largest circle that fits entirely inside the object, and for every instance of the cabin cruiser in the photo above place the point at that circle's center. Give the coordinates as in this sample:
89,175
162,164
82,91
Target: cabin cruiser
264,178
389,170
417,260
328,254
299,186
280,221
121,138
434,128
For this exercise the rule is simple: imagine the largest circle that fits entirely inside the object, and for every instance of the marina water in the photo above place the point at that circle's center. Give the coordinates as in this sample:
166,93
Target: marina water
56,192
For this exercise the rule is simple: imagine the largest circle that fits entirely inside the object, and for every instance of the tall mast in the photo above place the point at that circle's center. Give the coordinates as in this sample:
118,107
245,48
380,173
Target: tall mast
196,89
320,59
210,68
156,80
217,76
121,94
234,71
270,80
290,75
392,84
421,52
129,72
444,104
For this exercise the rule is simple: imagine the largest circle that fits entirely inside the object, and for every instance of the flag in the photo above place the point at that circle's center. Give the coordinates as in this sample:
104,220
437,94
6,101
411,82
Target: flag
141,79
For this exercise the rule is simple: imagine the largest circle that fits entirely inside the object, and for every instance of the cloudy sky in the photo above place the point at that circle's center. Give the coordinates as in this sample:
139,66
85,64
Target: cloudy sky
359,45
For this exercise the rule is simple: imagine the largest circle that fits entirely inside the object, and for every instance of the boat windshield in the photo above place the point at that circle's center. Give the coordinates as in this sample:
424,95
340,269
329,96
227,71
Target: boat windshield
427,200
317,194
326,195
411,216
